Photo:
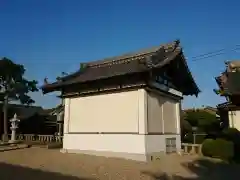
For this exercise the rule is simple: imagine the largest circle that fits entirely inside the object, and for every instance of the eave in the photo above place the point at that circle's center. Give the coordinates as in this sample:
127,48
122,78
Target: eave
228,106
118,88
196,89
146,61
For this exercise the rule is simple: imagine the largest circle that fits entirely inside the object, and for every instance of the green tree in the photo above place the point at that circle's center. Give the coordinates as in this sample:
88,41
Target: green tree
203,120
186,130
14,87
192,118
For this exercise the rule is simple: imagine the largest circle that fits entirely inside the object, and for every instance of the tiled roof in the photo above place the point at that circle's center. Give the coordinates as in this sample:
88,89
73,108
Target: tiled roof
208,109
228,106
126,64
22,111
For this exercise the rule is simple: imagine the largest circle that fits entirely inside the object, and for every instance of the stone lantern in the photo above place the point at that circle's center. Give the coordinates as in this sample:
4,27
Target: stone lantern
14,125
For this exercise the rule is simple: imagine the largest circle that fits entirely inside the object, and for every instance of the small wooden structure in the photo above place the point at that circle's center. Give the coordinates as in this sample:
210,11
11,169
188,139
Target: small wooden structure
34,119
229,115
126,106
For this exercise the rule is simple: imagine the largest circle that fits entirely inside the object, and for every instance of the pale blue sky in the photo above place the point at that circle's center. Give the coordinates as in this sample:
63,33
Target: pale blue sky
51,36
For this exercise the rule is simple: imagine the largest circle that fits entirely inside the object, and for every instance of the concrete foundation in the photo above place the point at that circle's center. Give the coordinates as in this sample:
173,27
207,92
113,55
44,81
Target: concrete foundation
128,146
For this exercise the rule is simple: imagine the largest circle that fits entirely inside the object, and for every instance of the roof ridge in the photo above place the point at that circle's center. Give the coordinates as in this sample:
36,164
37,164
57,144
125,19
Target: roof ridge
120,60
132,56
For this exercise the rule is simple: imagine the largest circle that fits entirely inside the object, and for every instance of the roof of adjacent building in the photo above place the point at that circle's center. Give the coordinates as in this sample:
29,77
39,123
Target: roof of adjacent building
140,61
228,106
27,111
232,65
22,111
209,109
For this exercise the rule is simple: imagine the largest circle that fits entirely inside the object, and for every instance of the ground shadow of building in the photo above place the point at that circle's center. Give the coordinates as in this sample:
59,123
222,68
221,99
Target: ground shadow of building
13,172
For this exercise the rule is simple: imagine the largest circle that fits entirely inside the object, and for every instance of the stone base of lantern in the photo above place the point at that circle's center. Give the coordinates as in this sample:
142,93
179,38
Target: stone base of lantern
14,142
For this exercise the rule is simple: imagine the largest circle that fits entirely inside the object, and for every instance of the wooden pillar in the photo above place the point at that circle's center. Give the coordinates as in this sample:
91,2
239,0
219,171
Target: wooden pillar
142,116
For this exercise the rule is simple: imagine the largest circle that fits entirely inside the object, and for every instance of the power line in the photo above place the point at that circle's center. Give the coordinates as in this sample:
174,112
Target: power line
200,56
214,53
209,53
205,57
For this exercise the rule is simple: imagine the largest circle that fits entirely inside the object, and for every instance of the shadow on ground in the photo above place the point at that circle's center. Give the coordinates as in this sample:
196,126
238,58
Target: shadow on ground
202,169
13,172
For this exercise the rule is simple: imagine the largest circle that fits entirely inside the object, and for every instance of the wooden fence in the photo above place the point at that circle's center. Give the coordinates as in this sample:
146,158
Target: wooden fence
194,138
43,139
191,149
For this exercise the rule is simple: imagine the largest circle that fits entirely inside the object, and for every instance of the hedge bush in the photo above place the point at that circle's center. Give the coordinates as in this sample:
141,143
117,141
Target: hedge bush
233,135
199,139
219,148
207,147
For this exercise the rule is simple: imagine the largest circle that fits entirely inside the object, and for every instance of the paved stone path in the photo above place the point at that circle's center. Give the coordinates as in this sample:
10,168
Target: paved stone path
44,164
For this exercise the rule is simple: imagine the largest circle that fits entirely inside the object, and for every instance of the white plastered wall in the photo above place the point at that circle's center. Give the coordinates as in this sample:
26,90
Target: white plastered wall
116,122
108,122
234,119
163,118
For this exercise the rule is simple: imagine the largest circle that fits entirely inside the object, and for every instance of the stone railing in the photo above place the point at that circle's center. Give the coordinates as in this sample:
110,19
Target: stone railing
191,149
39,138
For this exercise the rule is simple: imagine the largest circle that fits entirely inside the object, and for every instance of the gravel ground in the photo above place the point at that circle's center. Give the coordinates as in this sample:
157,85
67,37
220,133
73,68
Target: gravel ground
44,164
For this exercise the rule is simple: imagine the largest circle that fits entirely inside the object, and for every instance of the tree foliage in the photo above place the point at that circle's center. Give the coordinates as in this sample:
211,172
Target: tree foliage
186,129
14,86
203,120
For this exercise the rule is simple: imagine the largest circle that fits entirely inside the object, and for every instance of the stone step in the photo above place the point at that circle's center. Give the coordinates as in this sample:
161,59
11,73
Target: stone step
13,147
